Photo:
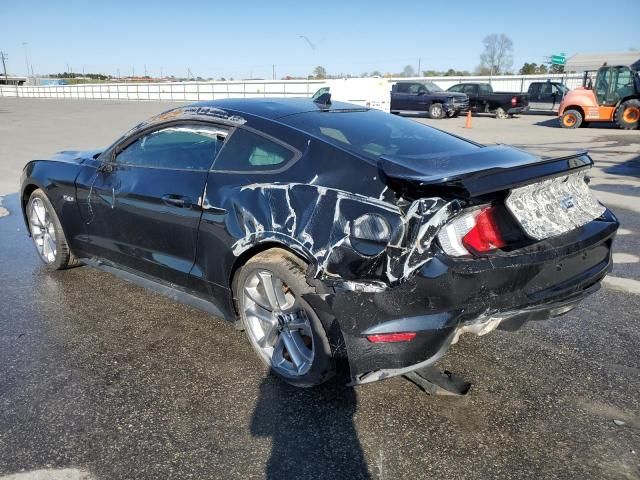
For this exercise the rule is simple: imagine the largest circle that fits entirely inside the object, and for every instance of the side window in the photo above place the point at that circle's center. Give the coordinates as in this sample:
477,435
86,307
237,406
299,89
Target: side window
484,88
402,87
246,151
190,147
470,89
456,89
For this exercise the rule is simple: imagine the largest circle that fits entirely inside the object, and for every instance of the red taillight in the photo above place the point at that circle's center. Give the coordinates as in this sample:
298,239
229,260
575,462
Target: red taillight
514,101
392,337
485,235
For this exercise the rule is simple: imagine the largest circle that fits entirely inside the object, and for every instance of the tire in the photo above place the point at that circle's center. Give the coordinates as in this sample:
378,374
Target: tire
436,111
281,322
628,115
571,119
500,113
47,234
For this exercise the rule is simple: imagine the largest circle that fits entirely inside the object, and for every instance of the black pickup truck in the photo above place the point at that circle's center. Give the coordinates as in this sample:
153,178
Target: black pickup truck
414,96
483,99
546,96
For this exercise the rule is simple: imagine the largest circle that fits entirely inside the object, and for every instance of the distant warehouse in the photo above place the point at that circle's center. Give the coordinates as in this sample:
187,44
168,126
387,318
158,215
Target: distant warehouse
581,62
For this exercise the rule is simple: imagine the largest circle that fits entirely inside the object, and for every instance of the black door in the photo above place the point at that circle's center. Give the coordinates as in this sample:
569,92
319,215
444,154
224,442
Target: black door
145,207
474,102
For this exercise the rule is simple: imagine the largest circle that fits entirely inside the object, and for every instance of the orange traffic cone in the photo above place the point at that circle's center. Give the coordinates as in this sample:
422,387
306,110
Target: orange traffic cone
468,122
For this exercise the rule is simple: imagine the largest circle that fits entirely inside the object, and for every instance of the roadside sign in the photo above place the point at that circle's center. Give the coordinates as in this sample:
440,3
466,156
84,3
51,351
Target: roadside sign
558,59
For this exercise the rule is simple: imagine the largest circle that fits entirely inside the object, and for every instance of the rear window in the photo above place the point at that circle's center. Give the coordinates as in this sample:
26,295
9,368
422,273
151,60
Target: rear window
374,134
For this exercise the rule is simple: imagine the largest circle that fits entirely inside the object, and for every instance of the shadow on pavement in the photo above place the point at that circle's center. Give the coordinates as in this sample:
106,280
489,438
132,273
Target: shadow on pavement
311,430
629,168
553,123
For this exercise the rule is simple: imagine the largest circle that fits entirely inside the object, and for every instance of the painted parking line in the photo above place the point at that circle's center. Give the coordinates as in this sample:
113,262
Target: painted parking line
621,257
627,285
50,474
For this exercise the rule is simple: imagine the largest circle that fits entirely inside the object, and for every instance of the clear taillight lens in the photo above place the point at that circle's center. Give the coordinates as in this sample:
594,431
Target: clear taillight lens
472,232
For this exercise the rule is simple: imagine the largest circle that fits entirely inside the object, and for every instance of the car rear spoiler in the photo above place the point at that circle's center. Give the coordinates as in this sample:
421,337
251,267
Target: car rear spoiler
477,173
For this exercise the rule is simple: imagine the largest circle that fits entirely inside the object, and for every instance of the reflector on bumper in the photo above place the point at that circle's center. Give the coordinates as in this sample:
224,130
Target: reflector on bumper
555,206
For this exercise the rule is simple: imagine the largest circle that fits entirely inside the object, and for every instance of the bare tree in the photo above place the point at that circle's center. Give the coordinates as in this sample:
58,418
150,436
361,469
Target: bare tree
319,72
408,71
497,56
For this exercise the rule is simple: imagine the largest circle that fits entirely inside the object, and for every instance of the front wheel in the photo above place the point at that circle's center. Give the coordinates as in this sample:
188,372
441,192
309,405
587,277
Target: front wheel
628,115
436,111
282,327
571,119
47,234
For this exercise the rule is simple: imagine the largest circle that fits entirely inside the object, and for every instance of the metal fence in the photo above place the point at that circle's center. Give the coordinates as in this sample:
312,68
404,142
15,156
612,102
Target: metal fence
195,91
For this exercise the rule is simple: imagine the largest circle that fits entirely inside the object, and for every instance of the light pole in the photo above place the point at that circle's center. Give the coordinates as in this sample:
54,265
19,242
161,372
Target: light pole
26,58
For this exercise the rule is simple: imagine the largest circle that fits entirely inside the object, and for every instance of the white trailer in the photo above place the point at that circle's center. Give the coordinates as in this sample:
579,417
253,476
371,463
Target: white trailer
367,92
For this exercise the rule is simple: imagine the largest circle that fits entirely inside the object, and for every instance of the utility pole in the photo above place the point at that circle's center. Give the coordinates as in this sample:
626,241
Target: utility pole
273,69
161,73
145,69
3,56
419,62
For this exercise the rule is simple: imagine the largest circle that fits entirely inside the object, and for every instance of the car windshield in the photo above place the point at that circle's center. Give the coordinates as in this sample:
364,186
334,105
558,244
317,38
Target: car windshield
374,134
433,87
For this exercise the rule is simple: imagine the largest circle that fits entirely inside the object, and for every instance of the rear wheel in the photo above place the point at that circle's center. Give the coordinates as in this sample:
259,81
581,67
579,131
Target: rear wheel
500,113
47,234
282,327
571,119
436,111
628,115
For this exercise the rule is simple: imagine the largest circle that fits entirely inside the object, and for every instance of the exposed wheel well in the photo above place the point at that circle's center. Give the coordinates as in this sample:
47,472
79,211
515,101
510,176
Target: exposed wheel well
574,107
258,248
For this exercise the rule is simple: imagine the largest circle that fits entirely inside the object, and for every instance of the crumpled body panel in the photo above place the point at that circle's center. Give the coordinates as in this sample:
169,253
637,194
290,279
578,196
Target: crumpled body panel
317,222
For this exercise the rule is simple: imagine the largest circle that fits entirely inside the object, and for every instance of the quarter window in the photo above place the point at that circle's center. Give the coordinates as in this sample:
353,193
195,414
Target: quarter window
190,147
248,151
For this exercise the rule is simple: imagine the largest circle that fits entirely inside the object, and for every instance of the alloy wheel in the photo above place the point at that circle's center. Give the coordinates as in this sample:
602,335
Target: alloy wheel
278,323
43,230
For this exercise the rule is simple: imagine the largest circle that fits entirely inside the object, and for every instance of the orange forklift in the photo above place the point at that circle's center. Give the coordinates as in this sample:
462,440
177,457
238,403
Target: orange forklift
615,97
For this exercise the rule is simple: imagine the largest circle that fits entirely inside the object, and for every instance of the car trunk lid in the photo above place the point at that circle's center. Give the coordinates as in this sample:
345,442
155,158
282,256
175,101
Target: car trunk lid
474,173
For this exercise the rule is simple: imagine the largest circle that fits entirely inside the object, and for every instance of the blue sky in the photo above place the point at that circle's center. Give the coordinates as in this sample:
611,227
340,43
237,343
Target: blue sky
244,38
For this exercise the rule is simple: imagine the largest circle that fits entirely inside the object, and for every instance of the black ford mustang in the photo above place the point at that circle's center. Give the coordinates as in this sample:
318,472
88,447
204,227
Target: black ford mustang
335,235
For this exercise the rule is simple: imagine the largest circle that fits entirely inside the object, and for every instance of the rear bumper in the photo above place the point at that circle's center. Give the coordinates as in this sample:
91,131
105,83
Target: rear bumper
450,296
515,110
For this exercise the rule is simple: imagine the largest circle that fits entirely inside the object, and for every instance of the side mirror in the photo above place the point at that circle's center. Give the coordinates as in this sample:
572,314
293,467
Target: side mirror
105,168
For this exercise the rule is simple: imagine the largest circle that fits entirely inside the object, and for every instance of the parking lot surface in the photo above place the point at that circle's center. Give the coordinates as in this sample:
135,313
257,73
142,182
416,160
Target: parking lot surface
100,379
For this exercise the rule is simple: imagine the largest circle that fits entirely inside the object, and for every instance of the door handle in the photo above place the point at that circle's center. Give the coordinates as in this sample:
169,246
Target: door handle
177,201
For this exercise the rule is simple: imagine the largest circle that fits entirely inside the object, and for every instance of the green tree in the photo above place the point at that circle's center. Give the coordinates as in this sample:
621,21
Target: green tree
528,69
543,68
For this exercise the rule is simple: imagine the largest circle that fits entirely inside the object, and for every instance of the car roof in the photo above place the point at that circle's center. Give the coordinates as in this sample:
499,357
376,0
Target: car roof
274,108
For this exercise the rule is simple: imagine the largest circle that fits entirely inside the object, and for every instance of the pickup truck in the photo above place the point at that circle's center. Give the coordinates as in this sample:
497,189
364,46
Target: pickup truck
415,96
483,99
546,96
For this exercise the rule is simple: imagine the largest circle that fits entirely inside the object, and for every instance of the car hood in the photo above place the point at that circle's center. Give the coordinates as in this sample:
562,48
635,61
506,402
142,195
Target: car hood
75,156
476,173
449,94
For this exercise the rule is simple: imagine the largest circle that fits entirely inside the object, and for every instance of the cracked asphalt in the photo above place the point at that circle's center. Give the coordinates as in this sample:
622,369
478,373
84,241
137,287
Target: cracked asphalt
100,379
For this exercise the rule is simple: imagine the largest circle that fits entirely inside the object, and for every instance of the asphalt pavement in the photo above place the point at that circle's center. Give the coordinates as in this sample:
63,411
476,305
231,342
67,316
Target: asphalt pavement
100,379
